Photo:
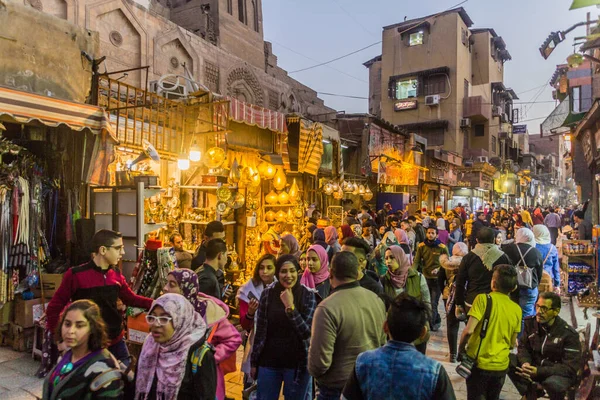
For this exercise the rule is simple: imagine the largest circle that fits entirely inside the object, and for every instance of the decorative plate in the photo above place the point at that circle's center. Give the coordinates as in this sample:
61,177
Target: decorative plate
221,207
215,157
224,194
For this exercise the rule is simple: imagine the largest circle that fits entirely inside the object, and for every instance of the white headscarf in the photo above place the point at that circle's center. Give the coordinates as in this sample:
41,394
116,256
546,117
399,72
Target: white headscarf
542,234
441,224
525,235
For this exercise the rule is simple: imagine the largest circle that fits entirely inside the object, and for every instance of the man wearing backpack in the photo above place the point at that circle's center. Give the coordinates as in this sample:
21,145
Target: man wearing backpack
487,358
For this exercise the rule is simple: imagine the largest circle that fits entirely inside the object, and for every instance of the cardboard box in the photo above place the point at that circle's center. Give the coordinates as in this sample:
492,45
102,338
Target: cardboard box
51,283
137,328
27,311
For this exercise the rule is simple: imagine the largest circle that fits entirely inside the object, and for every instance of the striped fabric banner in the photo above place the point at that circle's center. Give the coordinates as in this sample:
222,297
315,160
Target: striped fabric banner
310,149
25,107
251,114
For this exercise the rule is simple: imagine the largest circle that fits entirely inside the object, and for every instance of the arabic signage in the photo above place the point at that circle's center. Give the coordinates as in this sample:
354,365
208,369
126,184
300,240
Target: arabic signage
397,173
405,105
519,129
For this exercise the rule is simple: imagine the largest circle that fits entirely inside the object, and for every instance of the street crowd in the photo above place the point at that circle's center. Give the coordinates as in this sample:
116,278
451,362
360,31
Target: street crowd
341,313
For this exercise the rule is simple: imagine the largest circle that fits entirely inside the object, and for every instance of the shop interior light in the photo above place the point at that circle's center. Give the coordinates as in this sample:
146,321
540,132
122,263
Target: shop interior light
183,162
344,146
195,153
326,141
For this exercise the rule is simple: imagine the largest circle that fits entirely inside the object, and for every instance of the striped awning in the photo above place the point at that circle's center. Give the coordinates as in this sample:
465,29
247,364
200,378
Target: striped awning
24,108
251,114
311,147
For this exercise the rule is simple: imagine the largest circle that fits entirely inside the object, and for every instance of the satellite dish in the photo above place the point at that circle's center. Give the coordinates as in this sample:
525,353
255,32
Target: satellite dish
149,152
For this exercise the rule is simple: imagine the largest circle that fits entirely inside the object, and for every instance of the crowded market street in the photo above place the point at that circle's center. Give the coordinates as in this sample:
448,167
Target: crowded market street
401,202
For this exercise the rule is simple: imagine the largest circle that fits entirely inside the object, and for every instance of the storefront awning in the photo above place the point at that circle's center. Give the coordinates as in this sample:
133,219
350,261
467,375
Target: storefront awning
251,114
24,108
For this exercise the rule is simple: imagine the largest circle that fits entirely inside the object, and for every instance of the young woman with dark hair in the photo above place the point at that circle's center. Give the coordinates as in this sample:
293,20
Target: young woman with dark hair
87,370
283,326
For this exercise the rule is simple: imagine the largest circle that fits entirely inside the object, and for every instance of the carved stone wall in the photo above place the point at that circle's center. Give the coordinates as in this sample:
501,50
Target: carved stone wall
243,84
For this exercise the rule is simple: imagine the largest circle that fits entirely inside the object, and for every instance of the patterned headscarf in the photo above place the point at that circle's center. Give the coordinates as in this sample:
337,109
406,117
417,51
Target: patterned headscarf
167,361
188,283
311,280
346,231
292,244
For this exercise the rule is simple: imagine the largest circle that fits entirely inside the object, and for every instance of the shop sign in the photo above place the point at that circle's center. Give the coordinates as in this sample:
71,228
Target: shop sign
405,105
463,184
486,183
394,173
519,129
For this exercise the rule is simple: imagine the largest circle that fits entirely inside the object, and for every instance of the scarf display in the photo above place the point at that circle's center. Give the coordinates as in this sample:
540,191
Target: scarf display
188,283
489,253
311,280
542,234
525,235
292,244
168,361
398,277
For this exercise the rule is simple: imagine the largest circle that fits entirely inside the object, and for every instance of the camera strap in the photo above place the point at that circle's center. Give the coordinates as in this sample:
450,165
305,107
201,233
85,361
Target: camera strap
485,323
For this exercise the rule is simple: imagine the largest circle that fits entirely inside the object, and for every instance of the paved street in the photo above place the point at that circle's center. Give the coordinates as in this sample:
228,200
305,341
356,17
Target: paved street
18,383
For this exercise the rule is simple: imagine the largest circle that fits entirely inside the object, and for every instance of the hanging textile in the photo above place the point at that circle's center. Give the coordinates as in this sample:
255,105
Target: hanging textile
103,155
311,147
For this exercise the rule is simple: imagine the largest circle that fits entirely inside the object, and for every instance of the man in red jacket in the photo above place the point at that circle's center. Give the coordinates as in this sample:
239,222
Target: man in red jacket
99,281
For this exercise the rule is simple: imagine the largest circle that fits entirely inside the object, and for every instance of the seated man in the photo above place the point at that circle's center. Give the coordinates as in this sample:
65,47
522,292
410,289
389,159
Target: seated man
549,352
397,370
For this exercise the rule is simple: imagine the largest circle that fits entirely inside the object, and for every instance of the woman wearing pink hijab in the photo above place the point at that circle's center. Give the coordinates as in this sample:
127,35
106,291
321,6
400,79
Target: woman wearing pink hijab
331,237
316,275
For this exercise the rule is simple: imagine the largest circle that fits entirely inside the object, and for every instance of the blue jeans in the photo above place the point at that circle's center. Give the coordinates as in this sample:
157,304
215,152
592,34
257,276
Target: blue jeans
120,351
326,393
527,299
270,380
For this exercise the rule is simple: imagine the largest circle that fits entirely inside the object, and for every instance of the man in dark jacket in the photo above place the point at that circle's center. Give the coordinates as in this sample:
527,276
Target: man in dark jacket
479,223
383,213
476,270
216,258
214,230
366,279
549,352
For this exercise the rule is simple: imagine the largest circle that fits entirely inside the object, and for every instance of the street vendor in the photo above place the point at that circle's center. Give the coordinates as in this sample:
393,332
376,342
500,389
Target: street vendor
100,281
272,238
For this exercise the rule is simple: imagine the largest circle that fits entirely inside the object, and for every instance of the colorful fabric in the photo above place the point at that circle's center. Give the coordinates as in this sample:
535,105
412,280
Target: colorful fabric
347,231
168,361
310,148
311,280
254,115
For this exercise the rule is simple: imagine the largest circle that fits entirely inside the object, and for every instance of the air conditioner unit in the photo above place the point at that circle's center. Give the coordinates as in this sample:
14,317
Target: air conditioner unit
432,100
496,110
468,163
502,135
482,159
504,117
465,123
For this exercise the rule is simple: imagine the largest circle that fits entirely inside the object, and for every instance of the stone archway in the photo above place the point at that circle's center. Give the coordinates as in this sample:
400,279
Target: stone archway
243,84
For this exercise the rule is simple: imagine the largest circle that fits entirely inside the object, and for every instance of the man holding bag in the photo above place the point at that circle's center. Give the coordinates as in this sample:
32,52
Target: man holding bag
485,360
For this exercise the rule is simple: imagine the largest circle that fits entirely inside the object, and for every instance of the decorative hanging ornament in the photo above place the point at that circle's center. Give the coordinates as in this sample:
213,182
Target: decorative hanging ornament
328,189
294,191
272,197
270,216
368,194
281,216
348,188
361,190
254,177
339,194
335,186
279,181
355,189
283,198
234,173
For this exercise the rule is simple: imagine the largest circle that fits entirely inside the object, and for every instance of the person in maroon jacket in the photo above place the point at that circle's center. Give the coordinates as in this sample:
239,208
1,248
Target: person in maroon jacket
99,281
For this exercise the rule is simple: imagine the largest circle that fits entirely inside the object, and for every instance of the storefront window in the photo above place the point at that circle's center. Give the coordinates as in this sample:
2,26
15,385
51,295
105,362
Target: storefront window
406,89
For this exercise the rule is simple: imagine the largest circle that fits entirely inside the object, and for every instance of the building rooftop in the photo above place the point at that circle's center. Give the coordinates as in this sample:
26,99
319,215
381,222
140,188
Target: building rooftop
481,30
414,22
372,61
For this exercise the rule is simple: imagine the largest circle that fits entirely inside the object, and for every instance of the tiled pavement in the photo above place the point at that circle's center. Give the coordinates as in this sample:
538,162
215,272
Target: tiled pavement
18,383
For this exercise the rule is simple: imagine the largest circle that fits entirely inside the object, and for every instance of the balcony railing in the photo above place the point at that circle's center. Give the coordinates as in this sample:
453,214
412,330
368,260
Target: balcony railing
476,108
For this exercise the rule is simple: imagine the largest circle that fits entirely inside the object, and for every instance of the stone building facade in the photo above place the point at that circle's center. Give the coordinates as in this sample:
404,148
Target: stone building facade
220,42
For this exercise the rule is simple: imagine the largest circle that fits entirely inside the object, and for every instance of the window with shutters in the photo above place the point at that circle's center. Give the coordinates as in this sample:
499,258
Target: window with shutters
434,84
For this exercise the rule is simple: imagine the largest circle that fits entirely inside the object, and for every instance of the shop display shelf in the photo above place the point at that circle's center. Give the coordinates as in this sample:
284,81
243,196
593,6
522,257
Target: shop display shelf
581,274
207,187
278,205
153,191
580,255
